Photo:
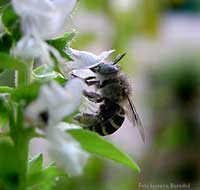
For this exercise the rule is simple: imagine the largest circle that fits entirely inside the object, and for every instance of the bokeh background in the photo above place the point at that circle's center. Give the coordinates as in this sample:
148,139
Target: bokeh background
162,42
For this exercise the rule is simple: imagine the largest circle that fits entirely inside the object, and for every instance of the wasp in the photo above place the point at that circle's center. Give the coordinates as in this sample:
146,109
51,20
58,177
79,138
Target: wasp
113,97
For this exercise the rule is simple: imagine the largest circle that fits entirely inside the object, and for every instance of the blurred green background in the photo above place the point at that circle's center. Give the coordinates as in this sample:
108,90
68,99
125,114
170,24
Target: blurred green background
162,41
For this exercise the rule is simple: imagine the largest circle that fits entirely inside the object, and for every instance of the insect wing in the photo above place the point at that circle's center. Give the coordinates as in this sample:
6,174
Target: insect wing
133,117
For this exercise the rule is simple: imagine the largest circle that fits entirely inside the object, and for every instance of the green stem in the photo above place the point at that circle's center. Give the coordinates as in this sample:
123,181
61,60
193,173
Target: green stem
22,151
23,76
22,135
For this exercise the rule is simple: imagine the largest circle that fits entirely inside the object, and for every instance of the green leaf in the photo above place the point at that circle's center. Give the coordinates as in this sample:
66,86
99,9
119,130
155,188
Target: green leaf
7,78
59,79
45,72
4,2
5,43
35,164
8,167
5,89
61,43
26,93
8,62
43,179
96,144
35,170
49,177
11,22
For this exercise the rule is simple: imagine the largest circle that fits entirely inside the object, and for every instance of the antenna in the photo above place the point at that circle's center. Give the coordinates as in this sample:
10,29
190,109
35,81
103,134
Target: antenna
118,58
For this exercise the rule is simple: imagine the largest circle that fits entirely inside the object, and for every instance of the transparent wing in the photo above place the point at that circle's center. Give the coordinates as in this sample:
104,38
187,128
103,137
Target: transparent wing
133,117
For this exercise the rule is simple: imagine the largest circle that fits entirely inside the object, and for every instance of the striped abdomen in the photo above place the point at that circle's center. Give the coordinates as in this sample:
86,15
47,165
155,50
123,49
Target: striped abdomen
109,125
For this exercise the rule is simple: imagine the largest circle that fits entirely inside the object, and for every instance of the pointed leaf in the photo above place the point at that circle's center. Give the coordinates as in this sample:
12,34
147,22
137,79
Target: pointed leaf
34,170
96,144
26,93
45,73
45,179
49,175
5,89
35,164
11,22
8,62
61,43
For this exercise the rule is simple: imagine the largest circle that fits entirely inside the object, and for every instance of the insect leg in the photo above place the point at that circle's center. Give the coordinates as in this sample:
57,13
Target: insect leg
93,82
87,119
93,96
91,77
88,80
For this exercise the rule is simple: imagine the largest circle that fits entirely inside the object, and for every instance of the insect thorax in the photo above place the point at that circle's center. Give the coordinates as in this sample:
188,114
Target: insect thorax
115,89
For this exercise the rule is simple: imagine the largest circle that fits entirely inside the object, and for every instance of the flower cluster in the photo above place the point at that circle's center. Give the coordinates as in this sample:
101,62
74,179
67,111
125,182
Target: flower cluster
54,102
38,24
52,105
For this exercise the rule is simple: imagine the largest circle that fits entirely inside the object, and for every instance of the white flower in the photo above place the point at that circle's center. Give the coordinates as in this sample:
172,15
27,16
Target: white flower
29,47
66,151
56,102
83,60
40,20
44,18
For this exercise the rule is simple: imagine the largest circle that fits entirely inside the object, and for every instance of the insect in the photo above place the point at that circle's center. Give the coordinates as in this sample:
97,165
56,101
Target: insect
113,97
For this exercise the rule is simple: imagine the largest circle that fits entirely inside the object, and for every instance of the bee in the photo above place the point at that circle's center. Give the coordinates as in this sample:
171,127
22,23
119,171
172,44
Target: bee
113,97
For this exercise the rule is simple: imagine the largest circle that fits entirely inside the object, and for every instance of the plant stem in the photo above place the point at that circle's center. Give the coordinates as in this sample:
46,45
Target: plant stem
22,135
23,76
22,151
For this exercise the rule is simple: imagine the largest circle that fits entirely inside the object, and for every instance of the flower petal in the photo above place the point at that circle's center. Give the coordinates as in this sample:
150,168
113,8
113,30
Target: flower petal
83,60
57,101
105,54
45,17
70,104
66,151
29,47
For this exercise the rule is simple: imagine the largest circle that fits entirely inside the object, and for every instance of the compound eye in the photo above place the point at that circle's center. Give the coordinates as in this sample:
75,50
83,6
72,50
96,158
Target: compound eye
109,70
